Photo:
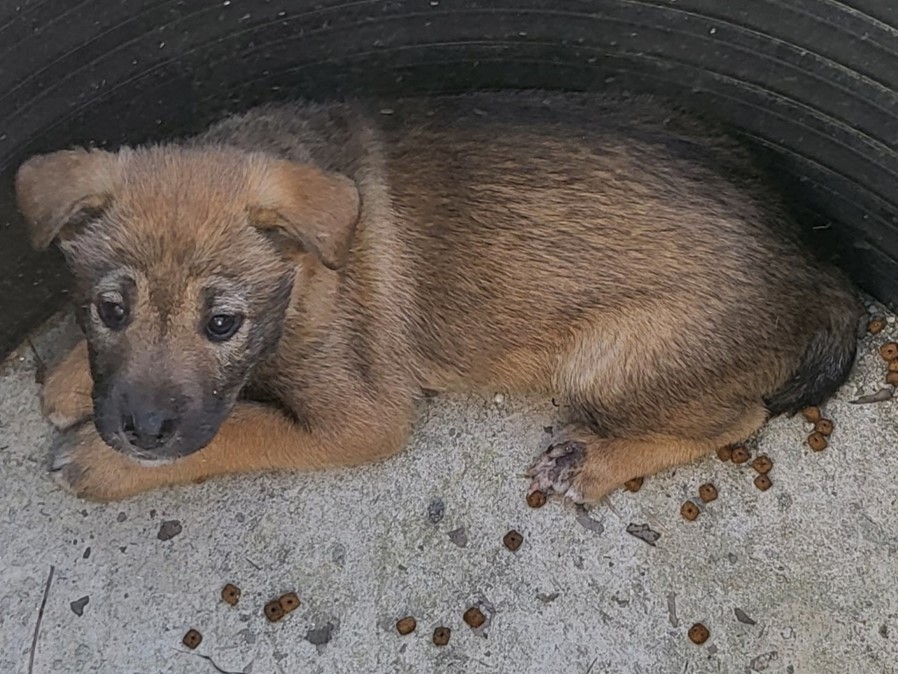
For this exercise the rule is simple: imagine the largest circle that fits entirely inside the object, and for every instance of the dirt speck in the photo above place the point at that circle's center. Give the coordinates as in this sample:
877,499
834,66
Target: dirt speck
459,537
169,529
319,636
742,617
86,554
121,517
78,605
588,523
644,533
435,510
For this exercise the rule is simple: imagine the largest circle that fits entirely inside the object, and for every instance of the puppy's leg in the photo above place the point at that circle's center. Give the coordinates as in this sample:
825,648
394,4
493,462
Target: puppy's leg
66,394
583,467
254,438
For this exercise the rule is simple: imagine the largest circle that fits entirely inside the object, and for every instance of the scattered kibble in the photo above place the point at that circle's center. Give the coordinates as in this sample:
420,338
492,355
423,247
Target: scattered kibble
689,511
441,636
707,492
288,602
474,617
762,464
725,453
811,414
893,366
536,499
273,611
889,351
698,634
634,485
824,426
740,454
892,378
406,625
817,441
763,482
876,326
192,639
230,594
513,540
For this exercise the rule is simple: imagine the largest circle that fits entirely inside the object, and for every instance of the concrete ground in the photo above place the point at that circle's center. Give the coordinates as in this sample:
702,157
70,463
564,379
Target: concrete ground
800,578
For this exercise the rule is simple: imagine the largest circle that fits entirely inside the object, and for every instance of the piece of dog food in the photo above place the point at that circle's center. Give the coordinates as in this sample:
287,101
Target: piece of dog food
762,464
824,426
288,602
273,611
406,625
763,482
817,441
876,326
192,639
634,485
698,634
441,636
230,594
892,377
513,540
889,351
725,453
811,414
707,492
474,617
536,499
893,366
740,454
689,511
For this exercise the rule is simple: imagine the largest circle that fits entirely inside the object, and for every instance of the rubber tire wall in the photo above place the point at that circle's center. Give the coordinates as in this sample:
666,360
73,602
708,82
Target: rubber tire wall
812,80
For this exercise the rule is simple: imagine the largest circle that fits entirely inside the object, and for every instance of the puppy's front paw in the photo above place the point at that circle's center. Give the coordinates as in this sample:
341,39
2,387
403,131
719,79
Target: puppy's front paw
65,399
556,471
84,465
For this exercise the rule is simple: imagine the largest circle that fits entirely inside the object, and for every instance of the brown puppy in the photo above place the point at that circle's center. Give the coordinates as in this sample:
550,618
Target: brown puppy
334,263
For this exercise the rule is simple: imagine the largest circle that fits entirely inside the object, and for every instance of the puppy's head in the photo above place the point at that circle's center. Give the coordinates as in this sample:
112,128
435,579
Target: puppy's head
185,261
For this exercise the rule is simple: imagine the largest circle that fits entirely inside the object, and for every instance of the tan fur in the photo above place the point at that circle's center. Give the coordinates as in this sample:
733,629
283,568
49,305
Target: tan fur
613,254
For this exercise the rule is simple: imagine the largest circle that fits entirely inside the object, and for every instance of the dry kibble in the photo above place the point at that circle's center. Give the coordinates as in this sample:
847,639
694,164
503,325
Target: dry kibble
288,602
406,625
441,636
762,464
698,634
893,366
273,611
689,511
192,639
824,426
536,499
763,482
634,485
707,492
474,617
889,351
740,454
817,441
892,377
725,453
513,540
230,594
876,326
811,414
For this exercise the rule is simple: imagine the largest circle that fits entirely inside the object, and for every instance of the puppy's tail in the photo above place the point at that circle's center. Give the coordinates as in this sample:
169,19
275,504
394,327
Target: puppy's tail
826,361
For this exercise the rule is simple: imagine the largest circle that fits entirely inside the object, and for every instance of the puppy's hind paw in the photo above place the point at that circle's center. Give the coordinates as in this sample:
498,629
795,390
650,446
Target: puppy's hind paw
555,471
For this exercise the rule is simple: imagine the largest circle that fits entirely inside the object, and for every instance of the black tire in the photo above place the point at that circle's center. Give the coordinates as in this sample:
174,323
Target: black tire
812,80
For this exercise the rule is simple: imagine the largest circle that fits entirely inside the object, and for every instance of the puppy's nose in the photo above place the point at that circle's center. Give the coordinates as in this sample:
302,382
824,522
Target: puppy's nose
148,429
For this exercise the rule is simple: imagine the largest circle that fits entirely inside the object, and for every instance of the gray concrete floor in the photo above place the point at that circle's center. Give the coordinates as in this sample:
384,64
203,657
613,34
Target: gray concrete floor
812,562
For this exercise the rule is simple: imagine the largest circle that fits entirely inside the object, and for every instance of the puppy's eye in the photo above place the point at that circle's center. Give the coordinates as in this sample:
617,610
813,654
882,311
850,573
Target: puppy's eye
222,327
113,314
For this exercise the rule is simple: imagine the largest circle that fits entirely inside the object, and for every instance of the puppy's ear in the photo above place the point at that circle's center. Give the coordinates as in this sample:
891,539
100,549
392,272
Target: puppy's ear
307,208
59,192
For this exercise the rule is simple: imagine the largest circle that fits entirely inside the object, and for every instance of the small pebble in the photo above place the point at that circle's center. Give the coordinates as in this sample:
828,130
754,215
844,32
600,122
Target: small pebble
474,617
441,636
889,351
634,485
169,529
824,426
273,611
762,464
698,634
499,399
513,540
536,499
763,482
230,594
811,414
707,492
192,639
406,625
725,453
740,454
689,511
817,441
435,510
876,326
289,602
